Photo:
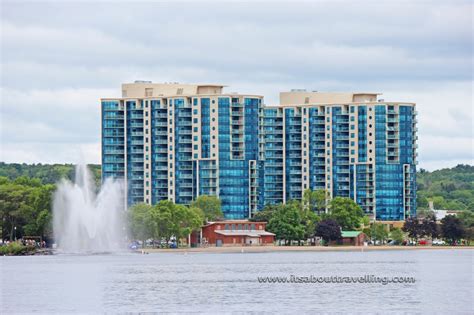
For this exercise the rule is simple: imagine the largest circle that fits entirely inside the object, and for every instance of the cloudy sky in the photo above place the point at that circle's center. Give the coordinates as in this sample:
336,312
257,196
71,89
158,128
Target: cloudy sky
58,59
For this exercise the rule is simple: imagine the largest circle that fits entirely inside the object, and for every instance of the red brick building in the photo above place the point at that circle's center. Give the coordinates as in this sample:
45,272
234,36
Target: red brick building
233,233
352,238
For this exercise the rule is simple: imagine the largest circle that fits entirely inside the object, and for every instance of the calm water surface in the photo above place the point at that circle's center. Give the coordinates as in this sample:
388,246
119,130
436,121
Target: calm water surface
225,283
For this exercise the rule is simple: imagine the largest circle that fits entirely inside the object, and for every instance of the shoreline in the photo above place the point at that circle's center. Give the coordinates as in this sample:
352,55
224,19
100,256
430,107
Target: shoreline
271,249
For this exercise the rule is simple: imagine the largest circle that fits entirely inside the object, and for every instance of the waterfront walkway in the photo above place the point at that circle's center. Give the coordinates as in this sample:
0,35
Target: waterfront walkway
264,249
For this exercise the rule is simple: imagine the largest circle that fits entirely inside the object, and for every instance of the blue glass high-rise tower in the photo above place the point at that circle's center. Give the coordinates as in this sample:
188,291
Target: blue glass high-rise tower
351,145
178,141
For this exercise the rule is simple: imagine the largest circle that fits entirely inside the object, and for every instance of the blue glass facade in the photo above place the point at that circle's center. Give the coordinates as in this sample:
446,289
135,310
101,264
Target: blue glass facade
272,156
360,151
249,155
159,151
317,149
113,146
135,151
238,146
178,148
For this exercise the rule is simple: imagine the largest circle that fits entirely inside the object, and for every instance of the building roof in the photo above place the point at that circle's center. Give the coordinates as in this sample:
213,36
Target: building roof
350,233
251,233
234,222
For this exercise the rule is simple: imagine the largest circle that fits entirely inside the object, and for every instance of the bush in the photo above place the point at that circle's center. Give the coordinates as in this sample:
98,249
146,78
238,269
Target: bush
15,248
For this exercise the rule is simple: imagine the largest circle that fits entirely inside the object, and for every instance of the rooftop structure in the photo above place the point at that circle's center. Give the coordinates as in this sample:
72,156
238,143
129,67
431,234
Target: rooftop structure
178,141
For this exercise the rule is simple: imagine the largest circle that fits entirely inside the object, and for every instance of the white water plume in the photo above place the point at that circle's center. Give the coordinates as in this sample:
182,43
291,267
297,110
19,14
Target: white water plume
86,221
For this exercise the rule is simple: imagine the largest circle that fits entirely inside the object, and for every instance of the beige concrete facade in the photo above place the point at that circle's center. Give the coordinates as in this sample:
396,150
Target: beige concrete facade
143,92
302,97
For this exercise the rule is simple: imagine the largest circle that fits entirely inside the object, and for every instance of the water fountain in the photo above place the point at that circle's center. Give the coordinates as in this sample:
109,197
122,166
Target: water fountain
86,221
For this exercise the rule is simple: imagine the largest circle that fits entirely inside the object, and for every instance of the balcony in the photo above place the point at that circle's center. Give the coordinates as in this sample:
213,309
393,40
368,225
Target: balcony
392,112
114,151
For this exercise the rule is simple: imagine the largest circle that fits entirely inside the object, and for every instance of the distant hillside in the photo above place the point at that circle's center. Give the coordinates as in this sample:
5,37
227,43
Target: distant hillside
449,188
47,173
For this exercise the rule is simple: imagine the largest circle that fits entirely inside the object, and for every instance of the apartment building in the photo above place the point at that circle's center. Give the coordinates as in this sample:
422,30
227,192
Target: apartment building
349,144
178,141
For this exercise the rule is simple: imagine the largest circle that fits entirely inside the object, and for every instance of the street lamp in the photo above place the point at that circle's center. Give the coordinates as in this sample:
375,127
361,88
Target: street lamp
15,232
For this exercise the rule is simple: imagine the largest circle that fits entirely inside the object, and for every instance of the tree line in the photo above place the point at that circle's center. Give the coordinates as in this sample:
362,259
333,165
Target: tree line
314,215
166,220
25,208
298,221
451,228
26,205
449,188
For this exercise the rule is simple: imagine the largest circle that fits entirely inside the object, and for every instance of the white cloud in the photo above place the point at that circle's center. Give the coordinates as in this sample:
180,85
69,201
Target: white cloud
58,59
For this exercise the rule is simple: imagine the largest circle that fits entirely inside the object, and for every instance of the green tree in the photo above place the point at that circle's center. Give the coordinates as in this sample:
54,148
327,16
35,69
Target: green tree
25,205
265,214
210,206
365,221
368,232
142,227
309,219
449,188
328,230
452,229
429,227
164,223
397,236
315,201
413,227
379,232
346,213
467,220
188,219
286,223
174,220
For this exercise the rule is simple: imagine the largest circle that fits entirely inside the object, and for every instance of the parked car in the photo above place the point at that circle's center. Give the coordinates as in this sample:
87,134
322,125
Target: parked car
134,245
394,242
439,242
422,242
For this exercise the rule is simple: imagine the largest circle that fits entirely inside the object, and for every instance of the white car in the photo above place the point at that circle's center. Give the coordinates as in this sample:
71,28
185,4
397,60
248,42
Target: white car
439,242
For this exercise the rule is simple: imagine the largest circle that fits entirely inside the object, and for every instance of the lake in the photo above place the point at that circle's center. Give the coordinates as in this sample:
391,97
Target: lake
227,282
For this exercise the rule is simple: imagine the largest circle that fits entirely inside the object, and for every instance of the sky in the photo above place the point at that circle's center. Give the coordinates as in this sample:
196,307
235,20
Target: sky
58,59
